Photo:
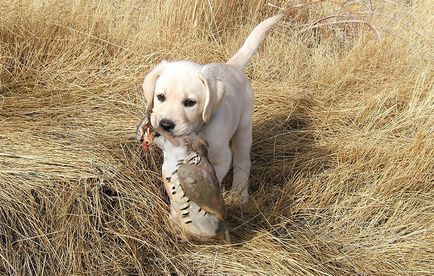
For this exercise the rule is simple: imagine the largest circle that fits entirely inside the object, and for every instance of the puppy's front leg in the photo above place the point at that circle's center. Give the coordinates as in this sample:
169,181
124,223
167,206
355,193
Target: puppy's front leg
220,158
242,143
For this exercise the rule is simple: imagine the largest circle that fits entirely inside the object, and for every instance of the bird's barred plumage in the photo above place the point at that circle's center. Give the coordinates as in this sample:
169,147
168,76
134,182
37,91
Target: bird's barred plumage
193,159
196,202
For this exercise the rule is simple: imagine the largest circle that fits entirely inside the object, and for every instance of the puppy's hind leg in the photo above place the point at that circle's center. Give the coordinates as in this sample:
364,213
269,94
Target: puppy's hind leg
242,144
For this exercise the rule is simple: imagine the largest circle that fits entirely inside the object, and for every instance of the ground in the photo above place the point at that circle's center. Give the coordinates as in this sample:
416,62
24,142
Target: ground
342,181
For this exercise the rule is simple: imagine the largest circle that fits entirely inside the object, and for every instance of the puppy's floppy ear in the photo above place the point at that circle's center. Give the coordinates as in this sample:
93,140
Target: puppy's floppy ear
149,85
214,92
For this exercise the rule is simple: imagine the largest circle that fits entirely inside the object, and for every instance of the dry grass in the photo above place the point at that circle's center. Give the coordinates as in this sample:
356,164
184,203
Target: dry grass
343,156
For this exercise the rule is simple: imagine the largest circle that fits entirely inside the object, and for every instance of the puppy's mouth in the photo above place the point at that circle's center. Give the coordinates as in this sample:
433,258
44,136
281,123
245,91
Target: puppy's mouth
181,130
181,127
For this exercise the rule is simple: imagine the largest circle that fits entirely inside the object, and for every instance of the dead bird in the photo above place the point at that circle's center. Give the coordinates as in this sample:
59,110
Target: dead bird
196,202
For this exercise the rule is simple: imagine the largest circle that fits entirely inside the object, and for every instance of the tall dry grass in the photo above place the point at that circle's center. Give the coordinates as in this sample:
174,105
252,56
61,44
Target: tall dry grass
343,157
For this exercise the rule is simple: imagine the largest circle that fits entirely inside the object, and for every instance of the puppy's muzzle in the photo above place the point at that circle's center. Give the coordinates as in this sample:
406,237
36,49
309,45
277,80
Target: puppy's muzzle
167,125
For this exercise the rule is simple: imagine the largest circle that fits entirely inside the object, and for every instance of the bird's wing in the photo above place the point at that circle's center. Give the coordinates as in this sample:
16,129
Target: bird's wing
202,187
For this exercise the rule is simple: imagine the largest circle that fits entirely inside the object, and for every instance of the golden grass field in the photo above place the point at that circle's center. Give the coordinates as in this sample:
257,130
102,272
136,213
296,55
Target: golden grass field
342,179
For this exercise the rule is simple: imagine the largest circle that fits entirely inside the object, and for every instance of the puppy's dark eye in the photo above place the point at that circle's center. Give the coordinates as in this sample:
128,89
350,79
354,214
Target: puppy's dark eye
189,103
161,97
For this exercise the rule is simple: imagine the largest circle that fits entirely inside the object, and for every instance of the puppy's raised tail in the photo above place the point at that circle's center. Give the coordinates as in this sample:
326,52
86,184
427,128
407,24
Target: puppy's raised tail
251,45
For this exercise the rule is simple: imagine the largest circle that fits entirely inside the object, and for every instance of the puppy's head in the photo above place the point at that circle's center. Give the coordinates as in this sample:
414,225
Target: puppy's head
182,96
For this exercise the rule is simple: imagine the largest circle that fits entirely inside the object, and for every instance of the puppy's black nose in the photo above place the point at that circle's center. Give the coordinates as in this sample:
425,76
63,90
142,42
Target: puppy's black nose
167,125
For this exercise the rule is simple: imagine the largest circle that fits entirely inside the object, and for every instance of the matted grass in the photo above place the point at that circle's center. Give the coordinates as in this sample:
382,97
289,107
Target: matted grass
342,180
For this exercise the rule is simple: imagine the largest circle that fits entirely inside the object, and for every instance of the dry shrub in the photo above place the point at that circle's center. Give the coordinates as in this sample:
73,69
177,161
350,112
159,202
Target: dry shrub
343,154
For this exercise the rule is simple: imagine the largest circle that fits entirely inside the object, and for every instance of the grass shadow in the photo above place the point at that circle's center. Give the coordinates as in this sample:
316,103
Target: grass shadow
284,150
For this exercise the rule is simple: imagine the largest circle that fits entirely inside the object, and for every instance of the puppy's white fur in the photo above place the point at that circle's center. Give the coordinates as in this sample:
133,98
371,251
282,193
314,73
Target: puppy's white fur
223,100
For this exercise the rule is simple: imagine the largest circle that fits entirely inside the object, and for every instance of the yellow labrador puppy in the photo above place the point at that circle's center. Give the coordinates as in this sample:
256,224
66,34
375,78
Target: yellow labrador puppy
214,99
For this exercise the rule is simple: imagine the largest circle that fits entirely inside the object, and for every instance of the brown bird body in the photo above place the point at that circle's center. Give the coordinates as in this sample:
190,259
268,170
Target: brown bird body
199,182
197,205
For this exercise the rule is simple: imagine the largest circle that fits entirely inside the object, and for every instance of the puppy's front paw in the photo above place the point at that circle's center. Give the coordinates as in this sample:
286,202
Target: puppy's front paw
244,196
239,196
